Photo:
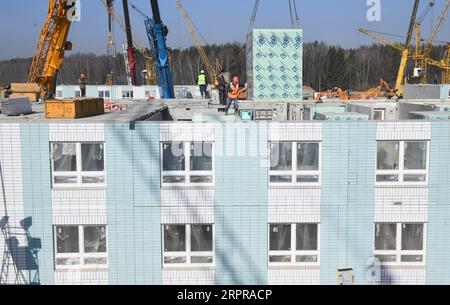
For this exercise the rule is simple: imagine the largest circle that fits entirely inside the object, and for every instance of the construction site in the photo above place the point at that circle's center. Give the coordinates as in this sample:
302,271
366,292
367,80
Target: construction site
266,181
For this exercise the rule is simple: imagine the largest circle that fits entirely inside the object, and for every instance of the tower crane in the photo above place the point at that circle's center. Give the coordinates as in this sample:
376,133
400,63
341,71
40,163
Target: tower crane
405,49
422,56
130,47
212,71
51,46
111,48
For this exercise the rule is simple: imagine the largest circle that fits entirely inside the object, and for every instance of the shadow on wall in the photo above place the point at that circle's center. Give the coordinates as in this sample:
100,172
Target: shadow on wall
20,263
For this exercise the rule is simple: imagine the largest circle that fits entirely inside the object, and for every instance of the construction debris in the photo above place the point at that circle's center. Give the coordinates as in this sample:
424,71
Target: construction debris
15,106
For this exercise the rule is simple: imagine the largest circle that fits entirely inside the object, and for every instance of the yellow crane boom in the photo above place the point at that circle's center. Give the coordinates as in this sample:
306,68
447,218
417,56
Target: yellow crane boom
212,72
51,46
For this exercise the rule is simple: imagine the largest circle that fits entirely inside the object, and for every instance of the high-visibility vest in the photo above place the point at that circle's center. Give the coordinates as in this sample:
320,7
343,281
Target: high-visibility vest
202,80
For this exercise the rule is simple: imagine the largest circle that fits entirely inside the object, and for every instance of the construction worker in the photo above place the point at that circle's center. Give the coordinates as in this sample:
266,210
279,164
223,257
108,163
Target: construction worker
82,83
223,87
202,84
233,94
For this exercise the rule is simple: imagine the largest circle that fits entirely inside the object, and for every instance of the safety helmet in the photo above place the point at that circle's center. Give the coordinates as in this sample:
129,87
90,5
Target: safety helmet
202,71
82,75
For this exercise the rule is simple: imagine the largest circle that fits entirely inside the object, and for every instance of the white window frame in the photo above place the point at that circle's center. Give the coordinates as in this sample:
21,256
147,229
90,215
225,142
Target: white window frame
127,94
383,113
104,93
79,173
401,171
294,172
81,255
398,252
293,252
187,173
188,253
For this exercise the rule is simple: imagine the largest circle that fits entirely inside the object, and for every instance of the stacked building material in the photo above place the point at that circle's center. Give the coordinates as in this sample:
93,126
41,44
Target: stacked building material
274,64
29,90
15,106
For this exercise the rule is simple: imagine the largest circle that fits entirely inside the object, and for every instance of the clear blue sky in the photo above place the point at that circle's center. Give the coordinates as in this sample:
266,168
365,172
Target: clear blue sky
333,21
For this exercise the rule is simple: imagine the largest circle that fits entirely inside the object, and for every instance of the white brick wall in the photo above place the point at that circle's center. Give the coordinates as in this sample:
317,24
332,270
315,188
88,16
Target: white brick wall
293,205
74,132
79,206
188,276
79,277
294,276
304,131
187,131
413,208
187,206
403,276
403,130
11,164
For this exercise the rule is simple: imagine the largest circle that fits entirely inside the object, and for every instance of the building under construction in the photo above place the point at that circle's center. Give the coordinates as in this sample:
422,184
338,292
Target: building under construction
153,185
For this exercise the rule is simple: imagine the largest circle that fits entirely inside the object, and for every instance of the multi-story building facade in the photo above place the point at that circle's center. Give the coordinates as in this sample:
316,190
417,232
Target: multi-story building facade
118,202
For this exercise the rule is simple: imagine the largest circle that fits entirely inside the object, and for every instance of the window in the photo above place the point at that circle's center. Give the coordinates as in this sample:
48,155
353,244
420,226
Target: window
191,245
378,114
127,94
402,162
187,163
77,164
400,243
104,93
294,163
77,93
80,246
59,93
293,244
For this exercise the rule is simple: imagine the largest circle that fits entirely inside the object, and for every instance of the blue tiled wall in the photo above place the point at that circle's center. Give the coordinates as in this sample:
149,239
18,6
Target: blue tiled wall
240,207
438,239
347,208
133,203
37,193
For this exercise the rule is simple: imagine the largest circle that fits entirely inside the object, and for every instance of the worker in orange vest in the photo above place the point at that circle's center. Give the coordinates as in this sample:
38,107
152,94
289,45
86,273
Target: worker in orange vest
233,94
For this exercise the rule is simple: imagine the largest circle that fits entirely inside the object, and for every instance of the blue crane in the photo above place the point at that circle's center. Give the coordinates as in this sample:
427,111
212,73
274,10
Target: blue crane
156,34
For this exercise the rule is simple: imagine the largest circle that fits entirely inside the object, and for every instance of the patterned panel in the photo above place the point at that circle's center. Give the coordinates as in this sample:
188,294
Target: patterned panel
295,131
188,276
401,205
77,277
403,130
187,206
294,276
276,60
197,131
71,132
294,205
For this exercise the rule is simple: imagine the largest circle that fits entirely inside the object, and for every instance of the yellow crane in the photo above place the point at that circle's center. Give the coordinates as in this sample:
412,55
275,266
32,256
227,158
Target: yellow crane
405,50
422,56
51,46
213,71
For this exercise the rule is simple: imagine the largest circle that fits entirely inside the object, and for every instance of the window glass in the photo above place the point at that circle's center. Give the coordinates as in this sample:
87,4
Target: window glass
281,156
67,240
387,155
306,236
92,157
378,115
415,155
412,236
173,156
385,236
174,238
201,238
94,239
64,157
308,156
201,156
280,237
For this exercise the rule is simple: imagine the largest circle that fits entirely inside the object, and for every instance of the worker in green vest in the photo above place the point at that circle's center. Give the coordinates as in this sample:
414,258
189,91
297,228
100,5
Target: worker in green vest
202,84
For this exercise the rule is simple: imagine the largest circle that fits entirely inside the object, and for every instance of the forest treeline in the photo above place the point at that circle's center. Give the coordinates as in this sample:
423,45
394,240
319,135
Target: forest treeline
324,66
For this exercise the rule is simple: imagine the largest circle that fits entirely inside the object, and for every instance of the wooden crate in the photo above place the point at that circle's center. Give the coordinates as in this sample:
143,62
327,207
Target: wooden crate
73,108
25,88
